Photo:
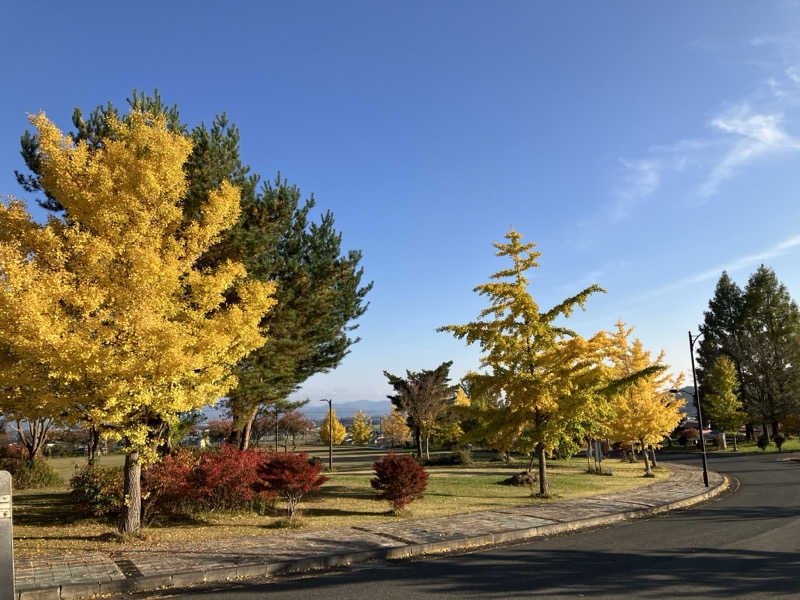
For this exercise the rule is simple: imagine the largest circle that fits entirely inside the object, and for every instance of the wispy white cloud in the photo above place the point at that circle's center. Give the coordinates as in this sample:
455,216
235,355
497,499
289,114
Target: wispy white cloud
749,131
753,136
640,180
742,262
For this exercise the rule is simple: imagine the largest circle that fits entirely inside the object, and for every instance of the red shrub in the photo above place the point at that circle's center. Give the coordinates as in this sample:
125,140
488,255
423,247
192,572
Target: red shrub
170,485
225,478
290,476
399,479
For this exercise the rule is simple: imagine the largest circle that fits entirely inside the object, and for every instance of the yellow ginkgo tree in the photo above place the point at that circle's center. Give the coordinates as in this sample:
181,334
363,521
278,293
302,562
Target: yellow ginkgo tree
105,316
545,376
361,429
645,411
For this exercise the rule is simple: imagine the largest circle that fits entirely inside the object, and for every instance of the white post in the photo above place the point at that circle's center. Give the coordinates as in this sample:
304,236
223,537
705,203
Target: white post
6,539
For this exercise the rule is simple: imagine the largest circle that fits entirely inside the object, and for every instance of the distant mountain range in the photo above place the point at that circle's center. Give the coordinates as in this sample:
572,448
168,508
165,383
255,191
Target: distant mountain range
317,410
345,410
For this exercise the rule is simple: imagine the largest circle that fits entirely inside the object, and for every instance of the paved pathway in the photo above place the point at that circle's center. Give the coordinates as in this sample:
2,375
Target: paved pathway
61,577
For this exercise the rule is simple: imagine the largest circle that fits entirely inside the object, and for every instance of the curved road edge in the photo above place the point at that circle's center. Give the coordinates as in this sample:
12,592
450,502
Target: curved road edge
525,535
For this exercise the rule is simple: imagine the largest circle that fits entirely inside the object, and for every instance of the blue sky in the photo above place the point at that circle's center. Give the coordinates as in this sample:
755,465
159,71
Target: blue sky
644,146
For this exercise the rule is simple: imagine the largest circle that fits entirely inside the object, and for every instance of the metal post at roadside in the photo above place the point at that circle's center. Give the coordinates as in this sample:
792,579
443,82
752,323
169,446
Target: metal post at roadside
276,429
6,539
330,432
699,410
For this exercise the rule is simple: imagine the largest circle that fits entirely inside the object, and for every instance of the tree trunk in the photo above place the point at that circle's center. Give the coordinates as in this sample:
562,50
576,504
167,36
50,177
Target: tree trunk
131,520
775,429
92,444
428,447
647,471
530,463
35,437
588,456
244,440
724,441
234,439
735,449
749,430
653,455
418,437
765,431
544,486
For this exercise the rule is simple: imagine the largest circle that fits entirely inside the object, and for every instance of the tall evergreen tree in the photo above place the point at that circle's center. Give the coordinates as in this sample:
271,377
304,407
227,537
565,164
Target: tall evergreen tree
771,355
722,328
319,293
723,332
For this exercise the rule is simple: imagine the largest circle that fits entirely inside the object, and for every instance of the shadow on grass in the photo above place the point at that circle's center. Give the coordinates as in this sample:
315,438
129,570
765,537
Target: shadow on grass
45,508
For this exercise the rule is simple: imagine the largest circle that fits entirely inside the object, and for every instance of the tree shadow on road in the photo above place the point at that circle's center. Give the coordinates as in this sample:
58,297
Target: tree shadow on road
550,573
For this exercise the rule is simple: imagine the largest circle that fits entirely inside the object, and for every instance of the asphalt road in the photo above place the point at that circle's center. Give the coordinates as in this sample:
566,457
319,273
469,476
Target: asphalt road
745,544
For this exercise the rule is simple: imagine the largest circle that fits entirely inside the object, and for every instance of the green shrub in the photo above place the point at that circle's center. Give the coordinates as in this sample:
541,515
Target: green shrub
763,442
464,456
30,475
460,457
98,490
779,439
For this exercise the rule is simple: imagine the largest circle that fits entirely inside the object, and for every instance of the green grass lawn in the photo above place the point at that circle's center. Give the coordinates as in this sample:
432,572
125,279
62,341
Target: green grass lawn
790,445
45,522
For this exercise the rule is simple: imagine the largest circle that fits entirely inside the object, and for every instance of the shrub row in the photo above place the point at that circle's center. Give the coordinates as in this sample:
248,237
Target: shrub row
187,482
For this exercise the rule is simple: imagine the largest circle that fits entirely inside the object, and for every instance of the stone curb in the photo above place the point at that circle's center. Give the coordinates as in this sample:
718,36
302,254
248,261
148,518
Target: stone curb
332,561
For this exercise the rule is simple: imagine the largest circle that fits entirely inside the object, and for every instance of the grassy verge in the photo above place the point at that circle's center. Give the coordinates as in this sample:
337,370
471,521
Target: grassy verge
46,523
790,445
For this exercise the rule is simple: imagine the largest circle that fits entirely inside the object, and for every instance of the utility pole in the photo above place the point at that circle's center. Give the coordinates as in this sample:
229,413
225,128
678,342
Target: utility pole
699,410
276,430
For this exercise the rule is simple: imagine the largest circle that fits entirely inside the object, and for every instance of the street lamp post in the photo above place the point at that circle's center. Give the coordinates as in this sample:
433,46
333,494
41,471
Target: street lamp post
692,340
330,432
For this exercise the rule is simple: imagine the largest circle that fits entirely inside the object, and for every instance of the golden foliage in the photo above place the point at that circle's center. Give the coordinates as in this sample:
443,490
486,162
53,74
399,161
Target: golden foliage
395,427
105,317
644,411
339,430
361,429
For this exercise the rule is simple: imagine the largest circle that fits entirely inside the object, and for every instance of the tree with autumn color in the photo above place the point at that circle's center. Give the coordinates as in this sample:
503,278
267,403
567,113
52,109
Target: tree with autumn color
536,366
722,406
361,429
106,316
395,427
399,479
645,411
294,423
290,476
339,430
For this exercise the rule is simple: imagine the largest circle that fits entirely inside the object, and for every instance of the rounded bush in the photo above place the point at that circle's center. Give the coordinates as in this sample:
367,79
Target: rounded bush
399,479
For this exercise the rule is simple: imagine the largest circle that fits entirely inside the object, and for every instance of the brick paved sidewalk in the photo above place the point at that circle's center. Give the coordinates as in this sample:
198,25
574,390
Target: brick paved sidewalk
73,576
